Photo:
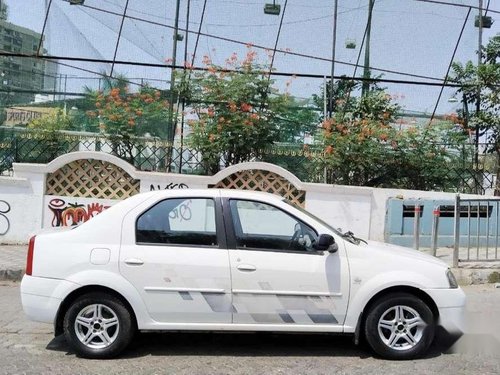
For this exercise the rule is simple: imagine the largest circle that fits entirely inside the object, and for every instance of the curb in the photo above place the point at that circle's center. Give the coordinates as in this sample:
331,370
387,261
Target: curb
474,276
11,275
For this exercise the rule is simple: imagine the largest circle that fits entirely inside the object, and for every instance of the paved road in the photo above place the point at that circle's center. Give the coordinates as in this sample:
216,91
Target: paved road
30,348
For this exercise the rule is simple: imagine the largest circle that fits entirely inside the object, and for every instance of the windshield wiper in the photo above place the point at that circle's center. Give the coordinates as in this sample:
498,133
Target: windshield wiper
352,238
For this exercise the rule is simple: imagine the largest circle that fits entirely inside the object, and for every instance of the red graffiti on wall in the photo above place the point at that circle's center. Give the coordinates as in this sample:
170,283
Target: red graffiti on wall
69,214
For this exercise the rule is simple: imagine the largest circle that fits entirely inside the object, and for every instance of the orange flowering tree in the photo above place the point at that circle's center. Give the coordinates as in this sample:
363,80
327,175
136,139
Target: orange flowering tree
236,112
123,116
364,146
355,140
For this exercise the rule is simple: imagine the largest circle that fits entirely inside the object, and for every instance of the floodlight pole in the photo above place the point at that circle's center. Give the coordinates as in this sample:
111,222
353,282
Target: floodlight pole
478,93
334,42
366,74
171,130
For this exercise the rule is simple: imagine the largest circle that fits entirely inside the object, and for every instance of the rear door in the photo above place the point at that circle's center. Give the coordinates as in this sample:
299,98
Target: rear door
174,252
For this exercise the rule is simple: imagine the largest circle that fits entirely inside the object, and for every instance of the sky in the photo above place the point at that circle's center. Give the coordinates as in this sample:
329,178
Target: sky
407,36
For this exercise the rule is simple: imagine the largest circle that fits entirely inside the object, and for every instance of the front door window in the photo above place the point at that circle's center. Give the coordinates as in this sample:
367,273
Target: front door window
262,226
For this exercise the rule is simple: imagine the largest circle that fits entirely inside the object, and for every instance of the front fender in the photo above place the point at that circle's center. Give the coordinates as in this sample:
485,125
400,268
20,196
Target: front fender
363,292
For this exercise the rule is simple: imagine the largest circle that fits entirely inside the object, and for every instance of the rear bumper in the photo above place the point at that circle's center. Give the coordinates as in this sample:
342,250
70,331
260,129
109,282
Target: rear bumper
41,297
451,306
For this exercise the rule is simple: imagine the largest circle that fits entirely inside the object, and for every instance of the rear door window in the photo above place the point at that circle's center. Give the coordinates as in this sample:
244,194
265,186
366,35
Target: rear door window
178,221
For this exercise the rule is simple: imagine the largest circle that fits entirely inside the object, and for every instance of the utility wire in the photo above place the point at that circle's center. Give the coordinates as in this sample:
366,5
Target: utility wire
135,44
276,43
448,70
344,107
487,8
43,28
454,5
280,74
118,40
199,32
260,46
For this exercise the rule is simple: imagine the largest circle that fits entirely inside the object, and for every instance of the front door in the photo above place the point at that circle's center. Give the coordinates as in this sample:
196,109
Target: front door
173,251
277,276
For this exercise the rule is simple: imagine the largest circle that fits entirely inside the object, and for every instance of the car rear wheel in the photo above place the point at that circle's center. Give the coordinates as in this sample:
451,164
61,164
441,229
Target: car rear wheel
98,325
400,326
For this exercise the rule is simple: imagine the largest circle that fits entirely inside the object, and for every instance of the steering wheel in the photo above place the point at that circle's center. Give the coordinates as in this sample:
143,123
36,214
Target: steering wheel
297,232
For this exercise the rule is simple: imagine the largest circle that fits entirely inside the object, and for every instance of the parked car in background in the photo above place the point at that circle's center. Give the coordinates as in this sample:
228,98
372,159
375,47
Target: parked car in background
230,260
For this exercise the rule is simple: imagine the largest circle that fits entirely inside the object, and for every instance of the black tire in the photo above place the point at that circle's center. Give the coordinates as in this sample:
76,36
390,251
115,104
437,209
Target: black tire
106,321
402,338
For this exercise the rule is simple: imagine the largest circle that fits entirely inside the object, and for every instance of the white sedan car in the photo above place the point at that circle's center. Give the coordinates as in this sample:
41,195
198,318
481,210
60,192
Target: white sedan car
229,260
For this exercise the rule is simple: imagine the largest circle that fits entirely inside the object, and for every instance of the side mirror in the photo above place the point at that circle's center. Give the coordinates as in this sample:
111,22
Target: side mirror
326,242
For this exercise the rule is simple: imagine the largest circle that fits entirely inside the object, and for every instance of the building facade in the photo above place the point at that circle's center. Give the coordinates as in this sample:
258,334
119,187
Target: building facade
21,77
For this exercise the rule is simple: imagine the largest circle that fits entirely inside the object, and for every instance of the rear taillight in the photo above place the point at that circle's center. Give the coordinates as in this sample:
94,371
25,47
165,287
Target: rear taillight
29,260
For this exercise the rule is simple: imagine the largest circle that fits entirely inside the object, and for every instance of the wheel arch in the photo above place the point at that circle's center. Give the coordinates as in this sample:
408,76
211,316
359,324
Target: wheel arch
419,293
70,298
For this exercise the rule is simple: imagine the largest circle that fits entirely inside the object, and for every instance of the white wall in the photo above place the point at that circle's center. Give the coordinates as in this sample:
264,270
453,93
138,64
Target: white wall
20,209
348,208
24,208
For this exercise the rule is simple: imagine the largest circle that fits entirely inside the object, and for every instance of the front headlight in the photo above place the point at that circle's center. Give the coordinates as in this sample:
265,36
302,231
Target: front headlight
451,279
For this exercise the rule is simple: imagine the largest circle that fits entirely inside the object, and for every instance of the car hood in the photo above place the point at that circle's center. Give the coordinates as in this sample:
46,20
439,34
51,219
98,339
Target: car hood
400,251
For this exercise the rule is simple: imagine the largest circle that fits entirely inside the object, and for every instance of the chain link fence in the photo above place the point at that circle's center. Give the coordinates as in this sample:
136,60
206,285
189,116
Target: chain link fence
153,154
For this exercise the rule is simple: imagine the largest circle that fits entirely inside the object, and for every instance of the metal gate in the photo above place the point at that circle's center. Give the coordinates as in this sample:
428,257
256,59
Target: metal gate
476,230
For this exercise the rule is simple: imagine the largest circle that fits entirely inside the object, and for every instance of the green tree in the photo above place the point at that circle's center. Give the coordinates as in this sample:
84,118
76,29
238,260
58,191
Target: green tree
237,111
481,84
356,139
363,147
298,120
342,100
50,127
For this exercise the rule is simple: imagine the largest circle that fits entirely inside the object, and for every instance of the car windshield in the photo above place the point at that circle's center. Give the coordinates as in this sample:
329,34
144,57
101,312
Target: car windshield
314,217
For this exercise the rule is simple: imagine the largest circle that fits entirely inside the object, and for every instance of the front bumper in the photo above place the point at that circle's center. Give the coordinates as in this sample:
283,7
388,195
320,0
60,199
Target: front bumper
41,297
451,306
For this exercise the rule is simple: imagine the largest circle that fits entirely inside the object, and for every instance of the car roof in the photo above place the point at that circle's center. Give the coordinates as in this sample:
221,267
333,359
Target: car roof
226,193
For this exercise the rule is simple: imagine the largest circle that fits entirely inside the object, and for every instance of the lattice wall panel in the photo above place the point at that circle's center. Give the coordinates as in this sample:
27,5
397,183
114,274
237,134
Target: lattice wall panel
90,178
259,180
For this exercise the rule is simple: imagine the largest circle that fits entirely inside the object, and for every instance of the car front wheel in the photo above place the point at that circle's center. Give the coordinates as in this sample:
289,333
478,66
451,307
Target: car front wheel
98,325
399,326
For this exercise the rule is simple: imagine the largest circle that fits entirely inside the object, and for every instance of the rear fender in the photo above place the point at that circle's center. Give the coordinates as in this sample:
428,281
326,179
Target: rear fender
120,285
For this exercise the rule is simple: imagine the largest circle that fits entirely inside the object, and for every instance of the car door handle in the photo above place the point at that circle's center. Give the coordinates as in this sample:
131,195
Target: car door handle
134,262
246,267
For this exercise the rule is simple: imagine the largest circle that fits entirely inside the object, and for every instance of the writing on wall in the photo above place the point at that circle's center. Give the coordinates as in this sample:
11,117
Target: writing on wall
168,187
4,220
24,115
68,214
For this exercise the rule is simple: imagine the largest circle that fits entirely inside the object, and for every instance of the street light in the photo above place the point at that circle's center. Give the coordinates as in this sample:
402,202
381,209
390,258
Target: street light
75,2
273,9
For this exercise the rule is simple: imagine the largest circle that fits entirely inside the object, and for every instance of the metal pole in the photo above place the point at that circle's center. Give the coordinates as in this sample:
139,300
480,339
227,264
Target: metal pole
366,73
181,151
334,43
416,227
435,230
325,99
478,98
456,231
65,86
171,131
325,114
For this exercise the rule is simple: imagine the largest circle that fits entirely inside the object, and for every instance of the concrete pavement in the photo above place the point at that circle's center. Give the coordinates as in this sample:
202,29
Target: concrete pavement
12,261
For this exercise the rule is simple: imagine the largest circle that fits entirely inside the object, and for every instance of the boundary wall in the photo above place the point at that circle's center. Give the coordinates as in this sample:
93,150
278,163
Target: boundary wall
26,208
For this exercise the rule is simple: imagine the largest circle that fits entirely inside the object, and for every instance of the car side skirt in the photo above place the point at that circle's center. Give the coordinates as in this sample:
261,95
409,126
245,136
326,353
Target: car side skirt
242,327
